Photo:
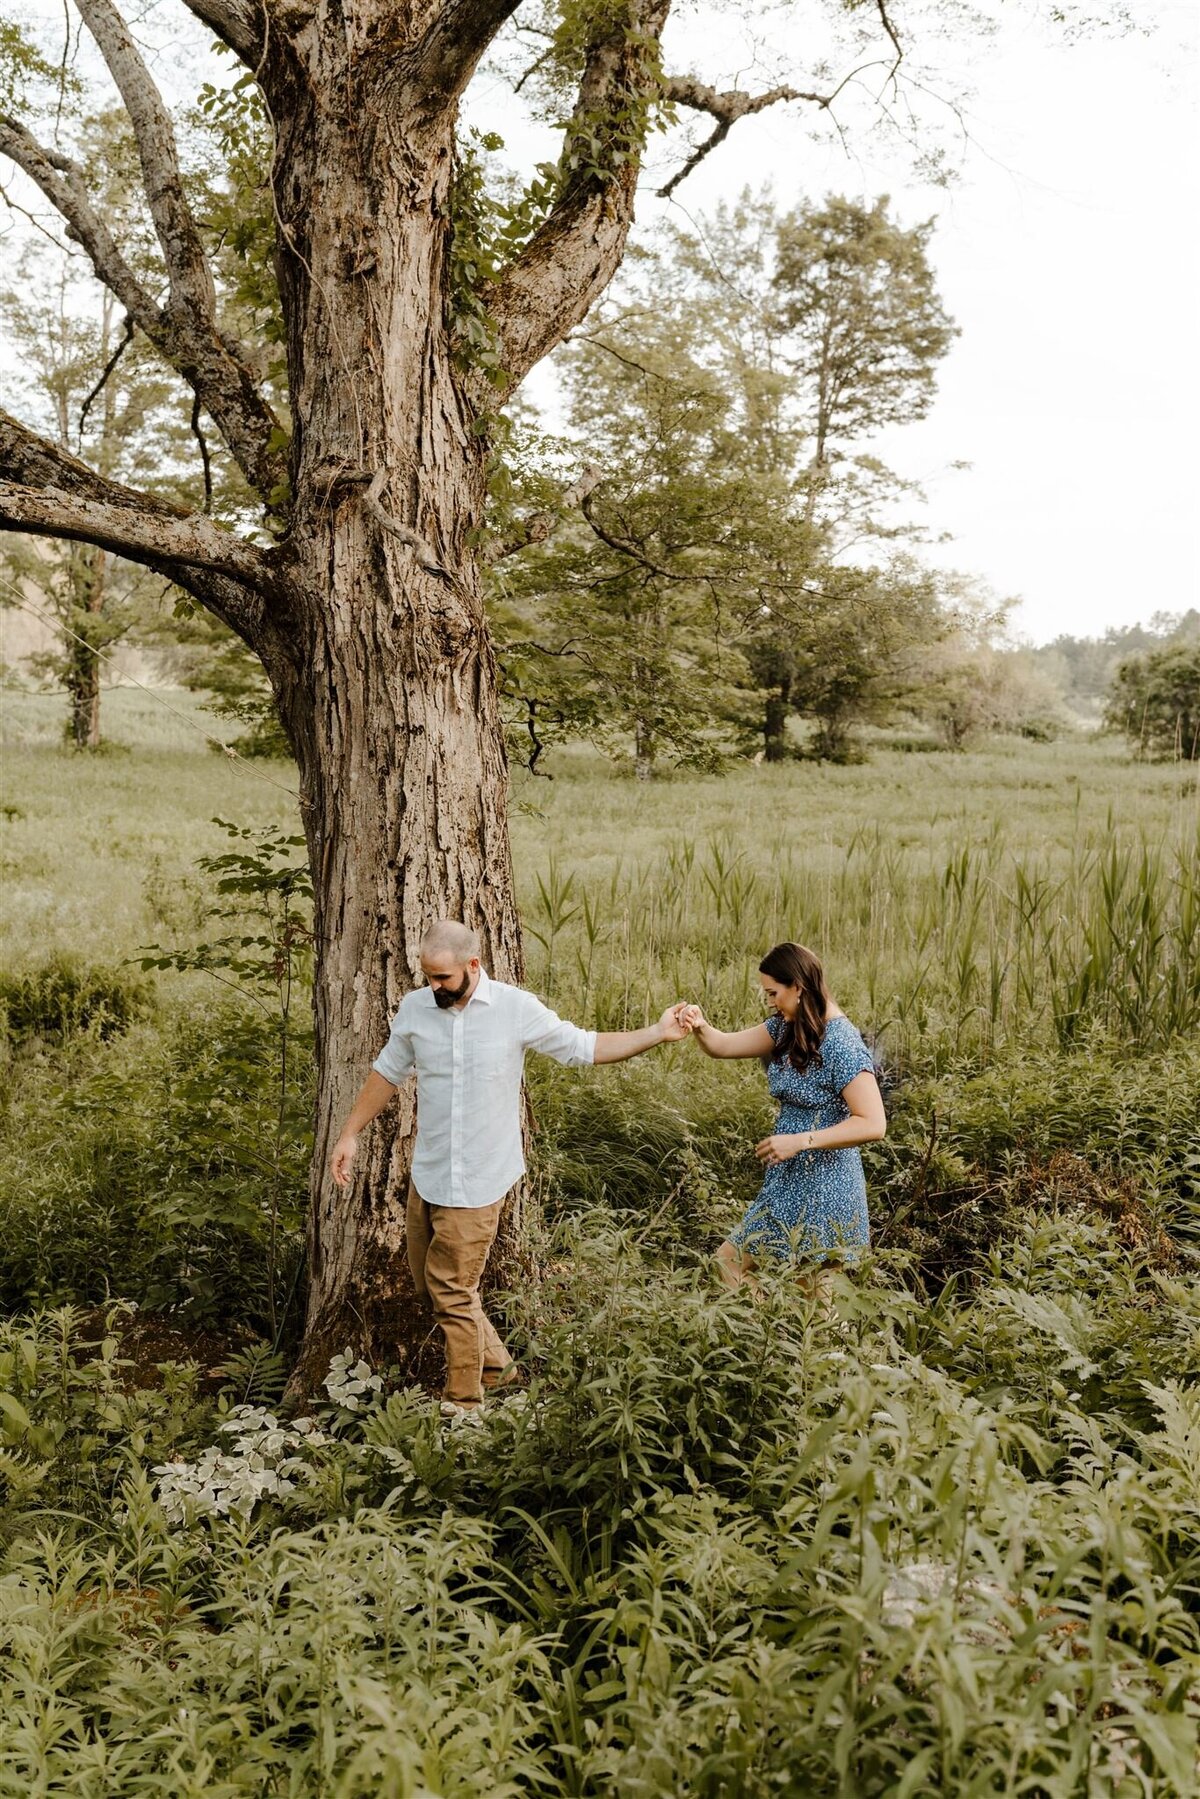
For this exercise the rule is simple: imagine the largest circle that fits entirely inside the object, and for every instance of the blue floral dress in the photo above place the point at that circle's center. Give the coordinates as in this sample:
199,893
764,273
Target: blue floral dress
814,1204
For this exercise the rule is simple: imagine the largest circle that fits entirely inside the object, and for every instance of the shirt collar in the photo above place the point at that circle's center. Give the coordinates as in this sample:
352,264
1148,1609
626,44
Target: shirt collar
483,990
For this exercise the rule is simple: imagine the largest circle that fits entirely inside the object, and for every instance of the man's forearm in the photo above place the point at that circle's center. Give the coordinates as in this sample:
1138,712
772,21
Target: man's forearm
619,1046
375,1095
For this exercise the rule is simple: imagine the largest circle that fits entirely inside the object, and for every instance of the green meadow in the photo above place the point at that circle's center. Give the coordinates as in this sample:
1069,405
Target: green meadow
943,1541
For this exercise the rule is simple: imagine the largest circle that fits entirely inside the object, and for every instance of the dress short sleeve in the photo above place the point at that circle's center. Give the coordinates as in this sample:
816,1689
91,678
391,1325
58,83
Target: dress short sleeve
844,1054
775,1027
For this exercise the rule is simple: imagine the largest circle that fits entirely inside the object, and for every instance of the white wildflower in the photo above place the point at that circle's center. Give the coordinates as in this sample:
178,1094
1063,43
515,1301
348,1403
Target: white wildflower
348,1381
264,1460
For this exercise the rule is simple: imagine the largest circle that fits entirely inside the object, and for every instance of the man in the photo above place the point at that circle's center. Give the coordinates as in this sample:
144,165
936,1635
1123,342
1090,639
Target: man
465,1036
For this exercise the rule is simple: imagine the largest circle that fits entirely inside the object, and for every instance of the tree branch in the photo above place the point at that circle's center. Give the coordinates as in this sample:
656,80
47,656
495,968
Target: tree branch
549,287
45,490
239,23
624,547
185,331
193,541
179,238
727,109
61,181
454,43
537,526
127,330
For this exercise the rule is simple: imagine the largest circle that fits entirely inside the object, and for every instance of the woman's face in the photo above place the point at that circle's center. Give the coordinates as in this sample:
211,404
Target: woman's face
781,999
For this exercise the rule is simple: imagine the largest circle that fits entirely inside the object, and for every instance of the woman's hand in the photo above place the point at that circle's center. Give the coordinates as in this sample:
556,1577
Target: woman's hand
693,1017
780,1148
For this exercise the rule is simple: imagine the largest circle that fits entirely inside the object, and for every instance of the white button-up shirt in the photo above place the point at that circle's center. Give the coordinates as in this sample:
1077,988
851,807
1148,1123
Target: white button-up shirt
468,1062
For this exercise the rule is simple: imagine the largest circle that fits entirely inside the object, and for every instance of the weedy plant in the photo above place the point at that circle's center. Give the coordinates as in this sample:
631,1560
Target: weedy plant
719,1546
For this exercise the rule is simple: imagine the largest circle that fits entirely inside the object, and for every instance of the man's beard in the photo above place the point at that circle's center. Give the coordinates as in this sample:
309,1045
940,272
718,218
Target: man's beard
445,997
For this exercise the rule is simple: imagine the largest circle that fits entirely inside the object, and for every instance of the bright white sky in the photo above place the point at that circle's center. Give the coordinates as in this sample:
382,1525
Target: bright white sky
1065,250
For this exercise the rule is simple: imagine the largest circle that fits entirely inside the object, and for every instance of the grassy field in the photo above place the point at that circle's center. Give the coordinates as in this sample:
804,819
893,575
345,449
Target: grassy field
945,1542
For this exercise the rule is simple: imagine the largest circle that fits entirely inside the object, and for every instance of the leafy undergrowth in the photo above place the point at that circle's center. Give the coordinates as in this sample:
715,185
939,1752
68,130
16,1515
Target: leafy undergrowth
719,1547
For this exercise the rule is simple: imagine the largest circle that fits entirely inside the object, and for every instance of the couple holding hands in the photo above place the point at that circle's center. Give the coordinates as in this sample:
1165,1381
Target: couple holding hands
464,1036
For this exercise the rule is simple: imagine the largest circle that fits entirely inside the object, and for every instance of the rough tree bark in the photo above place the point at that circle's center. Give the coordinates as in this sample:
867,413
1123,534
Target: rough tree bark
88,573
368,612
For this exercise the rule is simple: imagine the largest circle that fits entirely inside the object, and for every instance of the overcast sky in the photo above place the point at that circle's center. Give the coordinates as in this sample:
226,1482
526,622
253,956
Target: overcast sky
1065,250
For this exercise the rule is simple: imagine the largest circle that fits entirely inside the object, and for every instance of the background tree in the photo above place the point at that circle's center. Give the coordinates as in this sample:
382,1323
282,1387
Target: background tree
864,324
97,388
93,391
1155,701
973,679
706,584
629,620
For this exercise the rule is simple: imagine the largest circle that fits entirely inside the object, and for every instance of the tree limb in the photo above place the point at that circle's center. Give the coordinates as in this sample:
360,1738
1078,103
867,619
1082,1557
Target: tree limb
550,285
178,234
624,547
456,39
239,23
61,181
185,331
727,109
129,531
47,491
537,526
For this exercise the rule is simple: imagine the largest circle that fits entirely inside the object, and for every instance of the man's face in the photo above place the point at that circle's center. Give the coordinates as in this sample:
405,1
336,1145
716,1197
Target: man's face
450,981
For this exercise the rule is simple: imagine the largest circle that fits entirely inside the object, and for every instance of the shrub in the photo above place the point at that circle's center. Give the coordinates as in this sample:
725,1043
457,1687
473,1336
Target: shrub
720,1547
1155,701
153,1171
62,999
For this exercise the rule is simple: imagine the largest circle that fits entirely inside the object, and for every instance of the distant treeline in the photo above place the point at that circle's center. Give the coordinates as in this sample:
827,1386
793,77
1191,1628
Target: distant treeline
1082,668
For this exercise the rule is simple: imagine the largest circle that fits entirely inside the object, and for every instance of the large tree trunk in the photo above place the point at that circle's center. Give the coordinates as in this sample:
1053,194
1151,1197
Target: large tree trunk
392,707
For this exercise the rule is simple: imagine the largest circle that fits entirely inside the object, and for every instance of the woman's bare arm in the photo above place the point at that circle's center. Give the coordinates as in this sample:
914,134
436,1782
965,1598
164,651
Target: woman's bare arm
867,1123
753,1042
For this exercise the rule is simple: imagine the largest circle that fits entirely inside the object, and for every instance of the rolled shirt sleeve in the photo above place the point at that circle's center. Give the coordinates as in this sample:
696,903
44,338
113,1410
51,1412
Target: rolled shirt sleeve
396,1061
545,1031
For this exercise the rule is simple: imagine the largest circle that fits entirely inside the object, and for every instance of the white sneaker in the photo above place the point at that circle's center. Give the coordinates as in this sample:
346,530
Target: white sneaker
455,1413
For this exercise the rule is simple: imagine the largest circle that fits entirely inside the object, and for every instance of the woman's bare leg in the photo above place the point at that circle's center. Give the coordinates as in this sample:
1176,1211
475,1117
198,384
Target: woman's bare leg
734,1267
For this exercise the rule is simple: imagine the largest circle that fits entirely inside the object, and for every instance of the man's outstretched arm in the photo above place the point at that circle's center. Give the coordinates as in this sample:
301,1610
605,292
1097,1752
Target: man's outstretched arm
619,1046
375,1094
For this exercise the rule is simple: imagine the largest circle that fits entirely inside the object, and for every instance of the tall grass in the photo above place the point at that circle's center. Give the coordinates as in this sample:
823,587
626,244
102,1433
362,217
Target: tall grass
955,954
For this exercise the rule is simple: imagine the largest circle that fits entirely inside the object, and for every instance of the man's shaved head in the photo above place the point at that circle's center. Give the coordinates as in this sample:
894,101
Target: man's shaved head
446,937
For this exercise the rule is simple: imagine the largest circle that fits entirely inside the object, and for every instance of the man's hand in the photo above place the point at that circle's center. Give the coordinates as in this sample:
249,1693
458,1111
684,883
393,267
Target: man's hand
342,1159
780,1148
692,1016
673,1025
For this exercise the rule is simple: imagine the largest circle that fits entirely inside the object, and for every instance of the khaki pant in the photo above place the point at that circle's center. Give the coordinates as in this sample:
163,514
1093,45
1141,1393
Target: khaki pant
447,1252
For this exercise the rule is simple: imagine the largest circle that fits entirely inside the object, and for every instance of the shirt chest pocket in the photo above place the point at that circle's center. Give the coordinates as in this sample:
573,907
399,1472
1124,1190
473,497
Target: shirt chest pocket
493,1064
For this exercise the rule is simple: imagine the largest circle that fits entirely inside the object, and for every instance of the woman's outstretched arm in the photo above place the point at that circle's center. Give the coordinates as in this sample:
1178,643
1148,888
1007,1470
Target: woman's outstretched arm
754,1042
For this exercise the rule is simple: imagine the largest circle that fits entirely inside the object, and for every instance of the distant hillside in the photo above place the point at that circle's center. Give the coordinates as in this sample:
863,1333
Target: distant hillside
1083,667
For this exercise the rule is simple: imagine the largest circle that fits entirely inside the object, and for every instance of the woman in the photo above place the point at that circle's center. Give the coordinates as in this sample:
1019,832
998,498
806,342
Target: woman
813,1200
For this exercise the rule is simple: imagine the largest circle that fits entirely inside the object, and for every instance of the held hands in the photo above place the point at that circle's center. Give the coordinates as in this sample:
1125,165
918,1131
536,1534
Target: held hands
692,1016
342,1159
672,1024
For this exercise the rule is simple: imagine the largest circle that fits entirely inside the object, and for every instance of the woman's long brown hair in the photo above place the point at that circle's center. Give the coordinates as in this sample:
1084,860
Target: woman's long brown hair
794,966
